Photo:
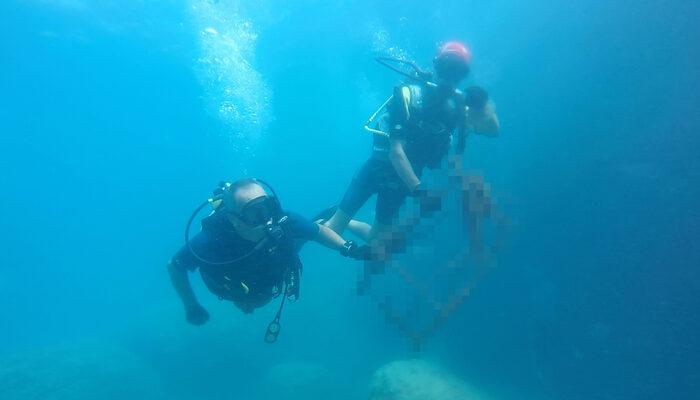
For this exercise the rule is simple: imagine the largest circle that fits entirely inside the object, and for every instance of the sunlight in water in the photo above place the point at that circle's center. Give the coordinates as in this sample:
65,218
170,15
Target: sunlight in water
234,89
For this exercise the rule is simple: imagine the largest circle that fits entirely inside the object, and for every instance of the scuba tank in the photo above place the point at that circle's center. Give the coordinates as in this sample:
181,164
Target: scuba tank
417,75
427,110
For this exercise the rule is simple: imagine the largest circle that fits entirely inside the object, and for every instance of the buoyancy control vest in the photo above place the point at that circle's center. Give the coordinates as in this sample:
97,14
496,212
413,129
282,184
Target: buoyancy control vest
425,118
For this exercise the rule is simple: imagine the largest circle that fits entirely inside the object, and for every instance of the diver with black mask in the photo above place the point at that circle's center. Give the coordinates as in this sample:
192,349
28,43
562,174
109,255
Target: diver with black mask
248,251
412,131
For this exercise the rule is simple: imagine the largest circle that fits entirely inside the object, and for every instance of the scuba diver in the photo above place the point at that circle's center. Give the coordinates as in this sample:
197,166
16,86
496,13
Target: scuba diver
413,132
247,251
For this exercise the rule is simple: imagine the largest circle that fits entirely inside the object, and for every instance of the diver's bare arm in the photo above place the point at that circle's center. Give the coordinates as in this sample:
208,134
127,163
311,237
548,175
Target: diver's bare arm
484,122
182,286
328,238
398,159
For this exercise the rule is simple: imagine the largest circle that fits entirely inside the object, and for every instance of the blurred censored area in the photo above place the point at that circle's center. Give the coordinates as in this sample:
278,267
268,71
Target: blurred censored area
429,262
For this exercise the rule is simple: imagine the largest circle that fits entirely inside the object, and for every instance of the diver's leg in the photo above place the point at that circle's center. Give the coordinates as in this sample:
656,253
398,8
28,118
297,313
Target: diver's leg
379,242
363,185
360,229
389,201
339,221
325,215
383,238
376,229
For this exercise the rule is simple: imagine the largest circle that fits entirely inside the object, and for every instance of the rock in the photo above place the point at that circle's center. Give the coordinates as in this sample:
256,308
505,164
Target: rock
418,380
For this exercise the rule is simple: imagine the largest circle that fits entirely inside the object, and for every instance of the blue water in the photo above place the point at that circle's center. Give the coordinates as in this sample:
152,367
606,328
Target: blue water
118,118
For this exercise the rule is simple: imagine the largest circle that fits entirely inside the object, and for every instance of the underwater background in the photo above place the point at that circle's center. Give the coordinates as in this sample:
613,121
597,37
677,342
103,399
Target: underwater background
118,117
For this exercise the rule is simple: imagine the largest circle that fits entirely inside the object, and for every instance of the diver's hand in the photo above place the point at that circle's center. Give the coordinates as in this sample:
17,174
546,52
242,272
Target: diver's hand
353,250
476,98
428,202
196,314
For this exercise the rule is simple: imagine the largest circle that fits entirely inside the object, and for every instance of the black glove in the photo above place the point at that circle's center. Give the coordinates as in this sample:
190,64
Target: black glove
429,203
353,250
475,98
196,314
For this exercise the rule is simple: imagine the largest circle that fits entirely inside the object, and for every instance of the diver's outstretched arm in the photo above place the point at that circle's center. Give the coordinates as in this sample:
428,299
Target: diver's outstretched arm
328,238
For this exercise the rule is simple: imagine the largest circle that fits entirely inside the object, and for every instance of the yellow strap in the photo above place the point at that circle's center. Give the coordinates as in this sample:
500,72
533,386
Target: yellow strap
215,203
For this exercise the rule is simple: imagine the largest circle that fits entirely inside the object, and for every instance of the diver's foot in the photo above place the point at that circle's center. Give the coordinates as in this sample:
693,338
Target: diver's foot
325,215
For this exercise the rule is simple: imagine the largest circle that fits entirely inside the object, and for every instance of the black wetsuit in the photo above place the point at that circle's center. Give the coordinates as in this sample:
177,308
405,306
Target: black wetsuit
253,281
426,131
